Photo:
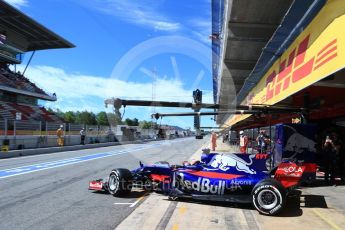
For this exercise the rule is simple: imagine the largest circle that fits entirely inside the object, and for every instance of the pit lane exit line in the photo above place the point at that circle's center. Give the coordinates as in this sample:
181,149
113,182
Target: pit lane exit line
134,203
75,160
137,201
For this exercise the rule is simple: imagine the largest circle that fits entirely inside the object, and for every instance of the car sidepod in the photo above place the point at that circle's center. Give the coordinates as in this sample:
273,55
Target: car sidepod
207,183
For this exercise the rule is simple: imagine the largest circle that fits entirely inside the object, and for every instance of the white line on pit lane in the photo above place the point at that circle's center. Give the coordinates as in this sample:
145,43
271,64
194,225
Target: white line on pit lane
72,151
70,161
134,203
113,153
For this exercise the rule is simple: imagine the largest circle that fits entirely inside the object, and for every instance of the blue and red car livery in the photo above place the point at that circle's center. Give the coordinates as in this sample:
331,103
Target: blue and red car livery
242,178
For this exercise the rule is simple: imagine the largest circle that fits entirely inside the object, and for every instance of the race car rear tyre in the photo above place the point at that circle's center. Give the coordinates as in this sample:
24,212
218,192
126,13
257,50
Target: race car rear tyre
269,197
120,182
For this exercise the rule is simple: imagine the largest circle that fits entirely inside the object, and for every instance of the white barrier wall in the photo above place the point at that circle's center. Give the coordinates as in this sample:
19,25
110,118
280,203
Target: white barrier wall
28,142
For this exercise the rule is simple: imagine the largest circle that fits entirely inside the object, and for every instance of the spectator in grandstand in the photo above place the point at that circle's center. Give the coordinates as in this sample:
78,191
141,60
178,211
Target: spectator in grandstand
60,136
82,136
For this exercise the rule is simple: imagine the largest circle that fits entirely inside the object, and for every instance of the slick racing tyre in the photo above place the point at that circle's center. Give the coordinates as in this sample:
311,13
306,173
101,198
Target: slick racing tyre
120,182
269,197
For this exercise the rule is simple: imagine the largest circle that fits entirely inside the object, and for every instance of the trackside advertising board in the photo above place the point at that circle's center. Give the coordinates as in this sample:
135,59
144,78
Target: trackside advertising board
315,54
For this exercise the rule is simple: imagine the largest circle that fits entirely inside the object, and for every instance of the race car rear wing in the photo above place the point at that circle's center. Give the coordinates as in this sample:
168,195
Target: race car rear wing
291,174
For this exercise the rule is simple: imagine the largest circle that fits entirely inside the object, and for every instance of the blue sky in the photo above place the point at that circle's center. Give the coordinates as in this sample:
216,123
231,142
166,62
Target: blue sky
118,45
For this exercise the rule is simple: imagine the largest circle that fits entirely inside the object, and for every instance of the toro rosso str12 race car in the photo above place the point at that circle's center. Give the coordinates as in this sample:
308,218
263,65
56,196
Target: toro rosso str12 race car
240,178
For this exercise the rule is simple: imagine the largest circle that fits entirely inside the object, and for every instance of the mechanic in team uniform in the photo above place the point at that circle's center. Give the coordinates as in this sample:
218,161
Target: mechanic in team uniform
262,141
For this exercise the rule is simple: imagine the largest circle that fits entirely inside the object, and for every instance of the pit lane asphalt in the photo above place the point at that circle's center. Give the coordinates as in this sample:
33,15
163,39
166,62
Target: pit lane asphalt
57,198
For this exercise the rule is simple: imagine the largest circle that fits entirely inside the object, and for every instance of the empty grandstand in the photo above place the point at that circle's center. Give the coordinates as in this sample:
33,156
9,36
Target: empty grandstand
23,123
20,34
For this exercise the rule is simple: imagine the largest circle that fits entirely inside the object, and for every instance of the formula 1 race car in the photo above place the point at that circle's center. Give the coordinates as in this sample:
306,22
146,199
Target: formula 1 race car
240,178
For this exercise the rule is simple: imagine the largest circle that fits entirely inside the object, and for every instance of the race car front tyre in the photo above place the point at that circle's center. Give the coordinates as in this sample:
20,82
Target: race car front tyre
269,197
120,182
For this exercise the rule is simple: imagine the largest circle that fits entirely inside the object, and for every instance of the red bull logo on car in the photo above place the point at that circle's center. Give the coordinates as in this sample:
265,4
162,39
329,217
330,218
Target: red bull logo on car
225,162
203,185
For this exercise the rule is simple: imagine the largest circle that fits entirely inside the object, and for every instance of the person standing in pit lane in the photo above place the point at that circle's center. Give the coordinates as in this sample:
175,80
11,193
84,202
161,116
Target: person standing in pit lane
213,141
60,136
331,148
243,142
82,136
224,137
262,140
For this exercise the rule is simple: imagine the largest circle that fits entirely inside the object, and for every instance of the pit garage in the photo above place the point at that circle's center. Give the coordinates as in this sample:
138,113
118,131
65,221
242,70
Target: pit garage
282,53
270,52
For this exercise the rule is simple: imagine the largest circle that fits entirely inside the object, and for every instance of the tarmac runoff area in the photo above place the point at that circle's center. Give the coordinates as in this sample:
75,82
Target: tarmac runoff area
320,207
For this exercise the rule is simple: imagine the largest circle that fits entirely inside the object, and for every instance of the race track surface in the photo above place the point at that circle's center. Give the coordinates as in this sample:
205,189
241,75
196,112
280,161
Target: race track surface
50,191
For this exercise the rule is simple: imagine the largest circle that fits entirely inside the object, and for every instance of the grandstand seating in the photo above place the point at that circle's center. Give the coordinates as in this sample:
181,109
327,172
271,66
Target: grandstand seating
8,111
18,81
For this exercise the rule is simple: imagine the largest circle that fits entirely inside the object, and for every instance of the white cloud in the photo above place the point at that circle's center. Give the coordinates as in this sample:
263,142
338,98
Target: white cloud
78,92
17,3
147,13
85,92
202,37
143,13
202,29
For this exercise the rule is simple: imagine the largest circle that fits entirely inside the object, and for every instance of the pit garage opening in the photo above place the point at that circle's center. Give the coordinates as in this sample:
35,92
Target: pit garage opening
301,65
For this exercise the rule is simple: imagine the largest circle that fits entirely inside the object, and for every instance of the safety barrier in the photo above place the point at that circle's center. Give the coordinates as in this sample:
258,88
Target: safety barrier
18,134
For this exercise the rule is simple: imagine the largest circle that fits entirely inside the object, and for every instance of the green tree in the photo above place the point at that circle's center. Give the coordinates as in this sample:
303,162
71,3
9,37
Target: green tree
60,114
114,119
102,118
86,117
93,120
77,117
135,122
146,124
130,122
89,118
69,117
